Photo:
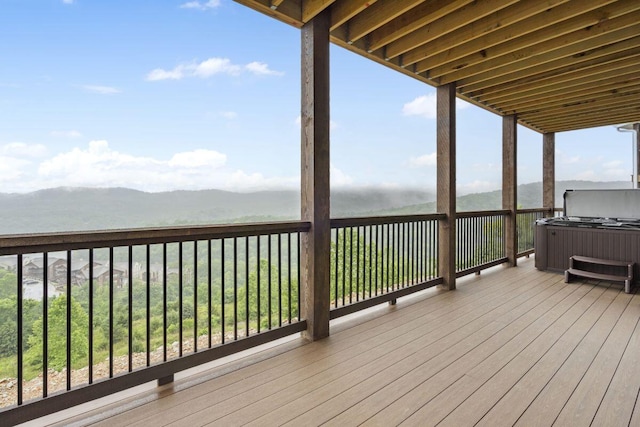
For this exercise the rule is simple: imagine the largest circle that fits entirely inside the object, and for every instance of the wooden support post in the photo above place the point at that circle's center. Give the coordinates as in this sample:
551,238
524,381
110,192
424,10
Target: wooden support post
446,177
316,244
510,184
549,172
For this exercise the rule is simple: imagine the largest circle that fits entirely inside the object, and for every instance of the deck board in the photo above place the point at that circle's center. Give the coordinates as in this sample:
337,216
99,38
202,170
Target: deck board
512,346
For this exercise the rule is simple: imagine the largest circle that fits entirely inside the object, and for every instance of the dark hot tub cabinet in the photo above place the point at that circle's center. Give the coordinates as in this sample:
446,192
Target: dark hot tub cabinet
597,225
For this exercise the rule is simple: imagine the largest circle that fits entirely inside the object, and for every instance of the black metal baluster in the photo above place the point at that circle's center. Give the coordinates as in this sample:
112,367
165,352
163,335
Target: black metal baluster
376,252
289,274
164,301
344,264
358,263
235,288
195,296
222,314
45,324
19,321
90,316
148,284
180,296
130,309
370,269
388,253
68,320
259,259
247,289
279,279
350,264
269,278
335,302
298,263
111,312
209,291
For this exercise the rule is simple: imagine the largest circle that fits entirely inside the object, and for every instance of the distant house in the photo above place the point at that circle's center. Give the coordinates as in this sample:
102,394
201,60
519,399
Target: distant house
8,263
56,268
156,273
80,271
101,275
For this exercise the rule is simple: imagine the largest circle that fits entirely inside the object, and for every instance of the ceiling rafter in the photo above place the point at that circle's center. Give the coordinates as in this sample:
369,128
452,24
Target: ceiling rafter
547,18
532,69
625,66
342,11
417,17
560,97
496,22
444,25
508,56
377,15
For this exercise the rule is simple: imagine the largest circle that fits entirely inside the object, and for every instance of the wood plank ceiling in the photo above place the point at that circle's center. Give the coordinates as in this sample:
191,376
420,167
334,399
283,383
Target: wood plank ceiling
558,64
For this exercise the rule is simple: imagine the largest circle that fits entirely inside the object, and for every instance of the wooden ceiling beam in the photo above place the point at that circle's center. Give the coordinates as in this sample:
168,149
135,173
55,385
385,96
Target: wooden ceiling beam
593,114
611,120
310,8
275,4
532,69
513,98
493,29
572,50
415,18
342,11
376,16
562,97
616,100
448,23
545,41
289,12
605,121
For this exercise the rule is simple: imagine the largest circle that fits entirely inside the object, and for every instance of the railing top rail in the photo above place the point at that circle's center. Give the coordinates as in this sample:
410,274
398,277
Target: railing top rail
533,210
379,220
471,214
51,242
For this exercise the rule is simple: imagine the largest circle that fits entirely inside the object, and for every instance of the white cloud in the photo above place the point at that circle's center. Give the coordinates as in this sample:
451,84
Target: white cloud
20,149
65,133
426,106
209,68
198,158
201,5
213,66
262,69
102,90
67,1
98,165
424,160
11,169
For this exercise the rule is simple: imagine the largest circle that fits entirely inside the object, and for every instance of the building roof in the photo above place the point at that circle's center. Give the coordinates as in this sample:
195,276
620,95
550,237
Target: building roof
558,64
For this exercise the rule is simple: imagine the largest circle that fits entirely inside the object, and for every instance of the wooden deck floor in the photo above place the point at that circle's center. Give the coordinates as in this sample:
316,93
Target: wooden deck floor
511,347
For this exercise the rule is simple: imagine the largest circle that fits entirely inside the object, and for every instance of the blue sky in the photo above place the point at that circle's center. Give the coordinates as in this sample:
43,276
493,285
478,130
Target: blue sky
165,95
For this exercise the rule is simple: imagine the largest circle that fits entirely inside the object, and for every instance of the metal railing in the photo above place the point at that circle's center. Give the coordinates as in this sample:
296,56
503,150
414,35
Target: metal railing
379,259
525,227
480,240
116,309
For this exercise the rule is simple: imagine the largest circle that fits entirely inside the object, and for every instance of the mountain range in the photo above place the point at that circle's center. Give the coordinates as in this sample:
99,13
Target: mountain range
75,209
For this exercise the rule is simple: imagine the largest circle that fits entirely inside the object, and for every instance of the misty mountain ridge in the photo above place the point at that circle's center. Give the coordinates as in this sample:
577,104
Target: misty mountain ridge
79,209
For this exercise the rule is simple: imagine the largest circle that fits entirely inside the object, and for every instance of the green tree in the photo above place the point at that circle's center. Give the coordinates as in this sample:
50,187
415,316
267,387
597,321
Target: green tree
57,336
